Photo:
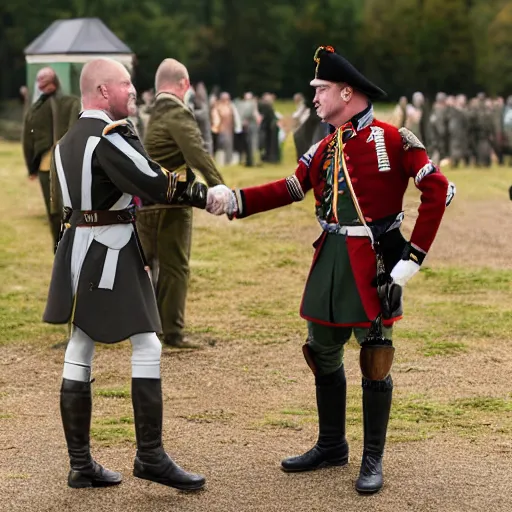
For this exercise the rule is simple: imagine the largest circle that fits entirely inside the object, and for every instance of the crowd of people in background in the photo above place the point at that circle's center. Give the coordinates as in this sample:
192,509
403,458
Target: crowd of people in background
249,130
246,130
460,131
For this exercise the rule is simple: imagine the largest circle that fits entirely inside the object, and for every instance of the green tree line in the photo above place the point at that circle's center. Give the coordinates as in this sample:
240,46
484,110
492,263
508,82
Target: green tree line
456,46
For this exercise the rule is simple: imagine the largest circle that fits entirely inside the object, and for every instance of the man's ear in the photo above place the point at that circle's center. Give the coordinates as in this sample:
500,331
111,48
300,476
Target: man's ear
346,94
103,91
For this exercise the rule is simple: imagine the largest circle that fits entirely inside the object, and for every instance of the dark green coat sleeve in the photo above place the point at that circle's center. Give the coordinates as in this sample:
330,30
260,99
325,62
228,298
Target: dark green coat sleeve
184,130
27,143
74,112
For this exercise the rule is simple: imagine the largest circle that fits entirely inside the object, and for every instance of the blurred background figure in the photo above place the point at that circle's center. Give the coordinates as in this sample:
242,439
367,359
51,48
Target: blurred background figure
311,129
414,116
269,129
45,122
399,115
301,109
225,123
201,109
24,98
481,130
497,108
422,107
458,132
251,119
438,129
507,130
146,107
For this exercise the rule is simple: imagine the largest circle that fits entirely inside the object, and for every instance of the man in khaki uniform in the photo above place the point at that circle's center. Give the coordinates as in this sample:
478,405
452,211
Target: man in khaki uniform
46,121
173,139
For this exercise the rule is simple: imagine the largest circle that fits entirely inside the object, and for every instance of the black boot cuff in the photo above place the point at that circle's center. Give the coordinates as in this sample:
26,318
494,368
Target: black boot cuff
378,385
335,378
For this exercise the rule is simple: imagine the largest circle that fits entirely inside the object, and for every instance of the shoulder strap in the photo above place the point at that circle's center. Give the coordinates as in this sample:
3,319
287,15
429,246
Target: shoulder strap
340,160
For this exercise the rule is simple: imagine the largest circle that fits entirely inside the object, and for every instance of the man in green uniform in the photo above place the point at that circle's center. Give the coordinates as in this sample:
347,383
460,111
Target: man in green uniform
46,121
173,139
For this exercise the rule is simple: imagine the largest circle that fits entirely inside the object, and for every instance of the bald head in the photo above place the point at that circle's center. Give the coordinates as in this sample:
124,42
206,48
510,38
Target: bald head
418,99
172,76
105,84
99,72
47,81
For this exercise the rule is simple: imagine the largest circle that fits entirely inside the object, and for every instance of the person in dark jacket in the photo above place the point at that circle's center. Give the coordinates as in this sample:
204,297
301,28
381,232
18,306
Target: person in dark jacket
45,122
100,283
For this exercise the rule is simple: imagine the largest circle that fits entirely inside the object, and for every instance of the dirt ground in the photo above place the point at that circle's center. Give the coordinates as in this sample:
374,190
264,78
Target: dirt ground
212,414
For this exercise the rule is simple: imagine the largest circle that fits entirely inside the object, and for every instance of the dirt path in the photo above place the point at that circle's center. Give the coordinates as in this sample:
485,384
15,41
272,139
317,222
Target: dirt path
215,410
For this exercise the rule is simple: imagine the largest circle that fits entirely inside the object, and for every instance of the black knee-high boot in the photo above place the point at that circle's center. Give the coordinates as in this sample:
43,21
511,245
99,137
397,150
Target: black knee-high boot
152,462
76,410
331,448
377,397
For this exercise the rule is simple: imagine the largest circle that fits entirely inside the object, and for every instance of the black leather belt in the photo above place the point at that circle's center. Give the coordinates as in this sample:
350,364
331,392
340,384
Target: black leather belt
94,218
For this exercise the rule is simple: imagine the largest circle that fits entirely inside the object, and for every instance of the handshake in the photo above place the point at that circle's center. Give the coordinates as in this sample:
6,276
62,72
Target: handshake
221,200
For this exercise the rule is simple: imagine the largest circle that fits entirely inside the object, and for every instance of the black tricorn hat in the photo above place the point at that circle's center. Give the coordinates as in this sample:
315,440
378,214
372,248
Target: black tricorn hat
332,67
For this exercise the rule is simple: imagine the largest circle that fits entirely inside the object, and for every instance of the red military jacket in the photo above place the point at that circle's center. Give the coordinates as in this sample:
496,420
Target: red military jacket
380,160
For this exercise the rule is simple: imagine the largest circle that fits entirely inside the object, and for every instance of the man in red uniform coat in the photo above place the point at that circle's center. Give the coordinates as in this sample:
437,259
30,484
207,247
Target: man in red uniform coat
359,175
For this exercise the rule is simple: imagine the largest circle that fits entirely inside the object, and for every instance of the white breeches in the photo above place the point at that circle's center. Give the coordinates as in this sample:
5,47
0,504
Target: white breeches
146,352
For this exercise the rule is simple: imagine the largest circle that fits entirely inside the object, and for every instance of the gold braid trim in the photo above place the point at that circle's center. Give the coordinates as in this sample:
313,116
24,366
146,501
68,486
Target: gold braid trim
351,188
335,178
114,125
179,175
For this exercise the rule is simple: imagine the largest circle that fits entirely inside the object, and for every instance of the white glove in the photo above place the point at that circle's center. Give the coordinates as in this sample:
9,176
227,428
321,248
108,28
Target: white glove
220,200
403,271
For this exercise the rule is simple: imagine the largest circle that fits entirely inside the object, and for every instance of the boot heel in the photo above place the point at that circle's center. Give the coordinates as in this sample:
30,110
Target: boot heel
138,469
78,481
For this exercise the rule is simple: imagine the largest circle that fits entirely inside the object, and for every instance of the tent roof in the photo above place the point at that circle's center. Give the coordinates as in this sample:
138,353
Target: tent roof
80,35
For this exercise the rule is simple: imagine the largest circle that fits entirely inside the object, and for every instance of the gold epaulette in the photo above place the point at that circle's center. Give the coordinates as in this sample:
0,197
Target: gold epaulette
410,141
116,124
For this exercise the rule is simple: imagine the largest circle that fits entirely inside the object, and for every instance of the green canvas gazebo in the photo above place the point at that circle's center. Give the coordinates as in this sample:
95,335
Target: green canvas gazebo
66,45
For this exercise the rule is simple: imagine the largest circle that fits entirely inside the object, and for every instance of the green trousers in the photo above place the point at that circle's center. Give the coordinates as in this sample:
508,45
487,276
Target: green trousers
328,343
53,218
166,235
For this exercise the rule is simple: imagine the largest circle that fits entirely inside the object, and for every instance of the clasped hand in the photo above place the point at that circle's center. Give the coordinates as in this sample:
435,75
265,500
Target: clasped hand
221,200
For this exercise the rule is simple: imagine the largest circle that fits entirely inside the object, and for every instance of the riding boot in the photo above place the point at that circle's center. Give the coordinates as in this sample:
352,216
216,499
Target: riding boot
377,397
76,410
331,448
152,462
